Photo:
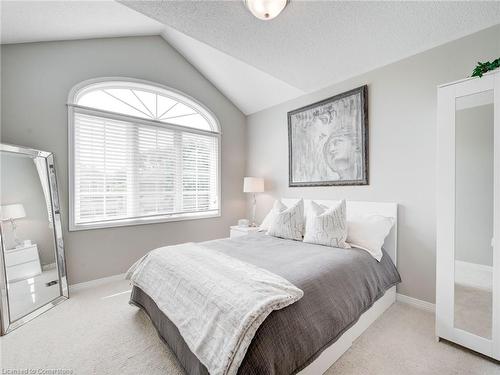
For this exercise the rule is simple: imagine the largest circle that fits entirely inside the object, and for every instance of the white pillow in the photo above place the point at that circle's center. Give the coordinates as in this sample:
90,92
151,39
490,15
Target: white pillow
369,233
278,206
327,226
289,223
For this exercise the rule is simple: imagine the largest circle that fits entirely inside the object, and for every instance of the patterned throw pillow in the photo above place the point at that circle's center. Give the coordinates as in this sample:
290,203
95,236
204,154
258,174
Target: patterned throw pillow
327,226
289,223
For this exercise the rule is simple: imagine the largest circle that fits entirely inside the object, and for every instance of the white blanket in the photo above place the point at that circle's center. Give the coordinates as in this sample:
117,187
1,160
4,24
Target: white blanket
216,301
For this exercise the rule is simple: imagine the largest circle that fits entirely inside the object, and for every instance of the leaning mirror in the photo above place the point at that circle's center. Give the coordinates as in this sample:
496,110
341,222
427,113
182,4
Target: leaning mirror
33,271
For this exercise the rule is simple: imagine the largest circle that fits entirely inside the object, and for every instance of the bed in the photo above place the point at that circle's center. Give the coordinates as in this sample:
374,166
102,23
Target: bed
344,292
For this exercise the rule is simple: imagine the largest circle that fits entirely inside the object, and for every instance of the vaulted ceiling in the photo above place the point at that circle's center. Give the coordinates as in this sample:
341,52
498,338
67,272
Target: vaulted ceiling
37,21
258,64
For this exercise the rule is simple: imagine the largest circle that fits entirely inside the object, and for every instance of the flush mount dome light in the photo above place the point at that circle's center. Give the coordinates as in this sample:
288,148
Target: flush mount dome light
265,9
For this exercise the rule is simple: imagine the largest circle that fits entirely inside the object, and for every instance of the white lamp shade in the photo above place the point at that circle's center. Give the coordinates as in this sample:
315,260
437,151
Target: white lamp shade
12,211
253,185
265,9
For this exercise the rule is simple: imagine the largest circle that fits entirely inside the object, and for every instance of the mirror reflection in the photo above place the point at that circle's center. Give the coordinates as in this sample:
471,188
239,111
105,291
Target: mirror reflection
27,234
474,213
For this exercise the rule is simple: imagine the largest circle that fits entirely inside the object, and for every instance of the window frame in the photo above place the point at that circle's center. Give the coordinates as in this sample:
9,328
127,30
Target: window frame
74,108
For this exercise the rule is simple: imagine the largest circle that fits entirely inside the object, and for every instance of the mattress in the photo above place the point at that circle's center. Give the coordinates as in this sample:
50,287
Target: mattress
338,284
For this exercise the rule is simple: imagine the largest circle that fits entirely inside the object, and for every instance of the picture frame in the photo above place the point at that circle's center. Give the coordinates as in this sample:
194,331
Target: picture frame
328,141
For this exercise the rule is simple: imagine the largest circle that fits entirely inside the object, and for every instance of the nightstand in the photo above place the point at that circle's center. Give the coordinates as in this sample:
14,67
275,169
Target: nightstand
237,231
22,263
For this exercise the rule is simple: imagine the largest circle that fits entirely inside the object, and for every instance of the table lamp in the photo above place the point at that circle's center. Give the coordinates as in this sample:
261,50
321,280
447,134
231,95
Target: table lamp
12,212
253,185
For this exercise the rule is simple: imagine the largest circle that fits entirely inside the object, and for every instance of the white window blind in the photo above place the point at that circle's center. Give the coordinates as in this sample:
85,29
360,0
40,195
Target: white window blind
127,170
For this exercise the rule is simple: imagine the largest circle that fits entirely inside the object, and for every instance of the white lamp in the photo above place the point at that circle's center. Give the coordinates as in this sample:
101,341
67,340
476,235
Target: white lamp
265,9
12,212
253,185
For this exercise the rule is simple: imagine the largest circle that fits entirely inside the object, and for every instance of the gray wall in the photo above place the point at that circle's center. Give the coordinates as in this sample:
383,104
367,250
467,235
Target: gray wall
474,185
20,184
402,126
36,79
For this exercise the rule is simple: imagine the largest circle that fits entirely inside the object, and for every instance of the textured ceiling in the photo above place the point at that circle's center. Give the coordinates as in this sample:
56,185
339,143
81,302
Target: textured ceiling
36,21
313,44
250,89
258,64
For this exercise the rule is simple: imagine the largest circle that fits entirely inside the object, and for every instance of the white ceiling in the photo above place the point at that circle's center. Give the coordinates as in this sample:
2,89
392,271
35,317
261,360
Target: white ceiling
312,44
249,88
37,21
258,64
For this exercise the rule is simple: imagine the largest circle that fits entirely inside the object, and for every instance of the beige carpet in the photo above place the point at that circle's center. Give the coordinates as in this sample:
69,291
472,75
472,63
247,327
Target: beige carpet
473,310
97,332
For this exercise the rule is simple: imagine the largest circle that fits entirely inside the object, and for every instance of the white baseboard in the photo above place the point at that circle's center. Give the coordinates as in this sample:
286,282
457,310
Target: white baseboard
96,282
424,305
474,275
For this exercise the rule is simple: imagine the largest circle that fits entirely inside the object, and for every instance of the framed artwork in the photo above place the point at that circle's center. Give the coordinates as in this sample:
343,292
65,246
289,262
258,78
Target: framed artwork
328,141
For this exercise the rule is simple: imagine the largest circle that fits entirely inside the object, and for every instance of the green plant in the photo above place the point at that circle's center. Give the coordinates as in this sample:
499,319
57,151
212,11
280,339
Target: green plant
482,68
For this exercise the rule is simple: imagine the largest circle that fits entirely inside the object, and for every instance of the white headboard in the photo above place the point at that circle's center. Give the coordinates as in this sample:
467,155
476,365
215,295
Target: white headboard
356,208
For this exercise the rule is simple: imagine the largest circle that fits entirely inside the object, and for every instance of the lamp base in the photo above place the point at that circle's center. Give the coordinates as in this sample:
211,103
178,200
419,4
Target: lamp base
254,204
14,233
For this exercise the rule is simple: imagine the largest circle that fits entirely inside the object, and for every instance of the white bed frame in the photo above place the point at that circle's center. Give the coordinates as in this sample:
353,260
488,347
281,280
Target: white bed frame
354,208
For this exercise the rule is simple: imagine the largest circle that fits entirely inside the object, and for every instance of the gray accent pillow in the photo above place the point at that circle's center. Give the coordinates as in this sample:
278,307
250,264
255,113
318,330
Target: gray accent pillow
289,223
327,226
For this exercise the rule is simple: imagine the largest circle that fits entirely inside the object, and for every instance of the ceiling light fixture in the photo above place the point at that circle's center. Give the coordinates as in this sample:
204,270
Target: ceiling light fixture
265,9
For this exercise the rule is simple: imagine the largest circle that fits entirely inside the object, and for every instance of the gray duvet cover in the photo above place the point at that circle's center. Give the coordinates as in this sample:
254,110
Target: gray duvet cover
338,284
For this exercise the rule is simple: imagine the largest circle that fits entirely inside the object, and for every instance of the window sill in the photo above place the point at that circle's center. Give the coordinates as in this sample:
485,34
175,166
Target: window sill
137,221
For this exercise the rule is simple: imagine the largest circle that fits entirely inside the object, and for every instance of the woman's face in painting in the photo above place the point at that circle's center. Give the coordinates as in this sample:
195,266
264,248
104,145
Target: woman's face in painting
338,152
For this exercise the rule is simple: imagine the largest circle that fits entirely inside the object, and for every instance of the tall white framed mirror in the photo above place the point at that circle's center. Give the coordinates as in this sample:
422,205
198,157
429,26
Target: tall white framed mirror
32,263
474,200
468,214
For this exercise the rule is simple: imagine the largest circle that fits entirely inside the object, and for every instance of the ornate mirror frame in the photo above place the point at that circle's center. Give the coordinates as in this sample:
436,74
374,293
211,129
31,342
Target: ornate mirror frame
6,323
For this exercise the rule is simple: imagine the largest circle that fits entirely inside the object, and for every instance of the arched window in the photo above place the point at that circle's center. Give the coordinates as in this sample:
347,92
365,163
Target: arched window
140,153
